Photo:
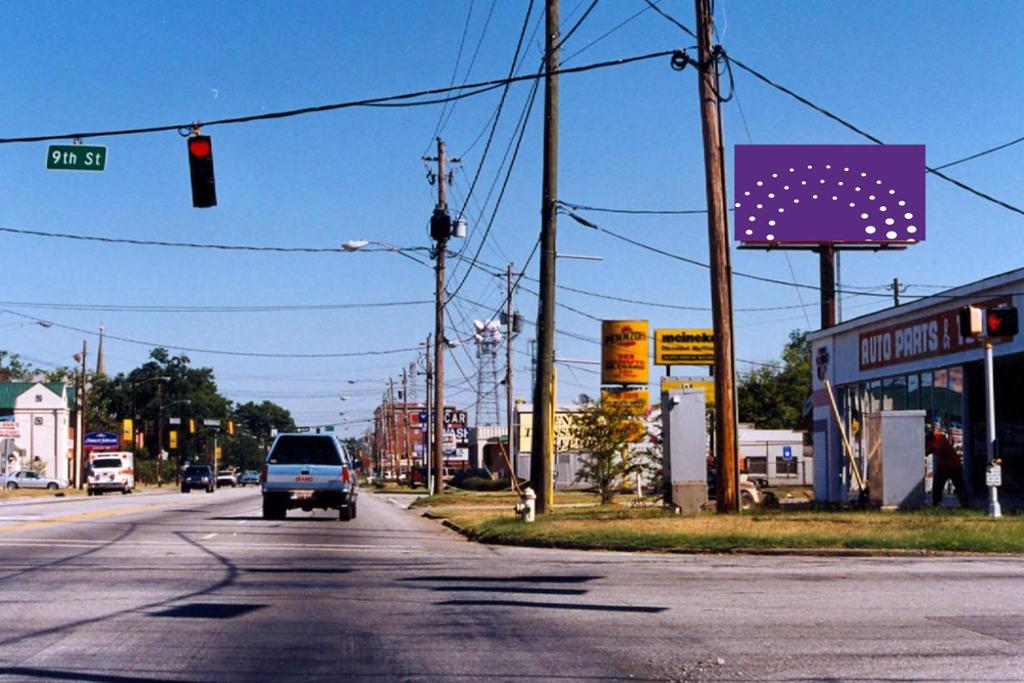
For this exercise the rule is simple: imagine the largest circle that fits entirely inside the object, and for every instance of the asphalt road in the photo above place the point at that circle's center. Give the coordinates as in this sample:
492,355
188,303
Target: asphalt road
198,587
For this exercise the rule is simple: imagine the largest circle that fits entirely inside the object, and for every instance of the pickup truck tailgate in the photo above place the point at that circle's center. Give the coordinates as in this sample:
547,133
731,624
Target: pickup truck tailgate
303,478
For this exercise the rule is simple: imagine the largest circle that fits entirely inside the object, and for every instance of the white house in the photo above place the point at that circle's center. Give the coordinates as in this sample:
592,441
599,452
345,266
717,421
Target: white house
44,415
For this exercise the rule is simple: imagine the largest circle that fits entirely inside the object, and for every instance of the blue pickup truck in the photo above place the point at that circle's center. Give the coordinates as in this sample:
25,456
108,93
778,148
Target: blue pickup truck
308,471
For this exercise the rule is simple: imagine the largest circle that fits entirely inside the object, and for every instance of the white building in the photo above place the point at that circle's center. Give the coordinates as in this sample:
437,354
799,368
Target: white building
44,415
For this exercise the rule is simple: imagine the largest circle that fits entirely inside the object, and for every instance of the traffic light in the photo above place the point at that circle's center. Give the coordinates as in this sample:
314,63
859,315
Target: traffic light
231,427
970,321
191,425
1001,322
200,164
172,439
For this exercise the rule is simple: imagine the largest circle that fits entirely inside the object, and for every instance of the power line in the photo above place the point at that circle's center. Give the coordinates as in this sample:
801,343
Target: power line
182,245
131,308
392,100
218,352
1011,143
654,212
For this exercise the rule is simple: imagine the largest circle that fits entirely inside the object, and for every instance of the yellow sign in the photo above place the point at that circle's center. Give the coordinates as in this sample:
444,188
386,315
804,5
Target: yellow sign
172,439
565,432
684,347
217,452
636,402
624,352
127,432
691,383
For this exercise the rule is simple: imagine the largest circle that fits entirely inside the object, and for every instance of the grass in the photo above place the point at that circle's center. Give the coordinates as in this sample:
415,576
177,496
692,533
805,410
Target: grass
621,528
499,499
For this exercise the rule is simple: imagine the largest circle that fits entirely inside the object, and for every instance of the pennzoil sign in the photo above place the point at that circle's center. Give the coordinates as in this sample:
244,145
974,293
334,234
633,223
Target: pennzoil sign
624,352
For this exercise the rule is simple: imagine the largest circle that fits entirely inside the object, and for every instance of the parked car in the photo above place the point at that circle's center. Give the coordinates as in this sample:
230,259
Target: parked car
308,471
227,478
198,477
27,479
249,477
110,471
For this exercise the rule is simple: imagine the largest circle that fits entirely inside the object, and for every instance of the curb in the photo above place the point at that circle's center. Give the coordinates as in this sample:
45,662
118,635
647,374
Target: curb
769,552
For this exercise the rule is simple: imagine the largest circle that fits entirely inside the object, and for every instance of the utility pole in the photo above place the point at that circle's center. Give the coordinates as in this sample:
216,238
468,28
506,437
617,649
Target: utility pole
392,424
159,428
541,447
440,231
721,273
895,291
428,430
405,421
509,331
80,446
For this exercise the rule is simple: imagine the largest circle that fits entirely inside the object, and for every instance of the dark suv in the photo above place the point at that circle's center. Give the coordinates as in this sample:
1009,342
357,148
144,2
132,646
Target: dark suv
198,477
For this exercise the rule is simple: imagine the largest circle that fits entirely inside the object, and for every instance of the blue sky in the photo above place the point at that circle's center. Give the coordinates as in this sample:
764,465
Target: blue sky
941,74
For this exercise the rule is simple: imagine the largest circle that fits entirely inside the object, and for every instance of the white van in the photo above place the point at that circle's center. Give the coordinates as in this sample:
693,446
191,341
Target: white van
110,471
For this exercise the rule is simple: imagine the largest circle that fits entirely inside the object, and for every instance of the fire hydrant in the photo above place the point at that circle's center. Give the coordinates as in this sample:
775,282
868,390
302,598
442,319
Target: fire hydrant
527,509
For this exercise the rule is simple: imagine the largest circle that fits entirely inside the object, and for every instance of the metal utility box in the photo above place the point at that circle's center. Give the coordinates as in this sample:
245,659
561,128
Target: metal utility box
684,452
896,464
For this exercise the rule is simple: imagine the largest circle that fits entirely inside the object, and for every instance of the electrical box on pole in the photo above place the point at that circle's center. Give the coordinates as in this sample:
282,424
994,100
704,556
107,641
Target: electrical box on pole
200,164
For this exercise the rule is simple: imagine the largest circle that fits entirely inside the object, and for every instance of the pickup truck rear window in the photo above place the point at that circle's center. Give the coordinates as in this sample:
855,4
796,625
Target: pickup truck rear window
304,450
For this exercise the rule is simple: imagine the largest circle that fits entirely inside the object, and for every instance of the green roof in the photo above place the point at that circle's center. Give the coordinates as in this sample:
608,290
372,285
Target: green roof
10,391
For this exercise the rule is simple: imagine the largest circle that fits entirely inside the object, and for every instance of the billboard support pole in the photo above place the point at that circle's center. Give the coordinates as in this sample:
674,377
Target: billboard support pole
827,256
721,270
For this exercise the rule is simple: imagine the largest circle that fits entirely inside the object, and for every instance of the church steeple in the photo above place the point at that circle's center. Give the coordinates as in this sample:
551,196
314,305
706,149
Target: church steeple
101,361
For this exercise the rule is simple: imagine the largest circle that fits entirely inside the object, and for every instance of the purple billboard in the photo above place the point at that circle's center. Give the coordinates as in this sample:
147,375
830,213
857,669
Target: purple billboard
810,194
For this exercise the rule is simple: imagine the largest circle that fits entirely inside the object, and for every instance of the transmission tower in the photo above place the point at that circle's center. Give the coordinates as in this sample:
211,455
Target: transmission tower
488,339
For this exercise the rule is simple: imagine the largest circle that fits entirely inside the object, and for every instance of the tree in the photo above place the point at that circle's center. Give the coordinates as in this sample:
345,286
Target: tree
772,396
260,419
13,369
604,432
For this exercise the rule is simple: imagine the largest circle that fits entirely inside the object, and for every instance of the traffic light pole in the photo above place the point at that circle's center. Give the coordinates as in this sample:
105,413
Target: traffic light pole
994,509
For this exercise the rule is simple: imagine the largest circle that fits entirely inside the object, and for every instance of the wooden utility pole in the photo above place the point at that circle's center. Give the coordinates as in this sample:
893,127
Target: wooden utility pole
427,429
895,291
81,431
405,420
509,331
440,218
392,437
541,446
721,272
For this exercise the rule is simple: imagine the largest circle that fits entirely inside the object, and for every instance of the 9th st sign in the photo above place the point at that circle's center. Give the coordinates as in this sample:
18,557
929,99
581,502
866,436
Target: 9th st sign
76,158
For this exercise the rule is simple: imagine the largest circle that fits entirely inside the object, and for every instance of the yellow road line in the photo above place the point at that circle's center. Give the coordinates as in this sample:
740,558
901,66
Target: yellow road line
80,517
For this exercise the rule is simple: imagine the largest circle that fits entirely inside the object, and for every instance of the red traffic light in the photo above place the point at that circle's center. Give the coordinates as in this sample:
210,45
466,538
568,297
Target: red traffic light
200,164
200,146
1001,322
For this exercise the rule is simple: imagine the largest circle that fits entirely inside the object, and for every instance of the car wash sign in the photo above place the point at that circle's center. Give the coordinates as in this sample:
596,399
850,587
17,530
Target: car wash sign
926,337
814,194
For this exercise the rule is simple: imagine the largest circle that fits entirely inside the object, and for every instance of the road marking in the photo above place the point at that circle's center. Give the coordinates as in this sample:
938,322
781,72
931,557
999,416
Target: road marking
208,537
82,543
79,517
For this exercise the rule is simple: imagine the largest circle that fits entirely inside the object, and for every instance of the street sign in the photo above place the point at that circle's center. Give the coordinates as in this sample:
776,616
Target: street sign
994,475
174,420
9,430
211,423
76,158
101,440
787,453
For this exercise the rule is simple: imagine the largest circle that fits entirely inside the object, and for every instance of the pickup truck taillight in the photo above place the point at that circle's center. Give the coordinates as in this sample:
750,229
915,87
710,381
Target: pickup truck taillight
263,474
346,476
128,472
